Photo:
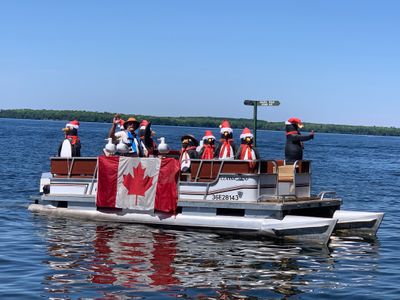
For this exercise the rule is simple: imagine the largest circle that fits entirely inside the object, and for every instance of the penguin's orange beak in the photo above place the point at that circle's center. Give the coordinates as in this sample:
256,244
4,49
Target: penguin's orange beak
185,142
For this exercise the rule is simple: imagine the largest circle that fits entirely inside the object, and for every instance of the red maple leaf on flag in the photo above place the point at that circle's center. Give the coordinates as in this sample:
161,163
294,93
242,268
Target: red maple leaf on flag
138,184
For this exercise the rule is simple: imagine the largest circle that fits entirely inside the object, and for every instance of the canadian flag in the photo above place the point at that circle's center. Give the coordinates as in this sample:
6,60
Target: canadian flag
137,183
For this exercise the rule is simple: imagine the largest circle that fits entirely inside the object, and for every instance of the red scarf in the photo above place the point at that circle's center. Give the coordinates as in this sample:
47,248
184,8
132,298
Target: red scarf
292,132
73,138
208,152
226,145
247,149
185,150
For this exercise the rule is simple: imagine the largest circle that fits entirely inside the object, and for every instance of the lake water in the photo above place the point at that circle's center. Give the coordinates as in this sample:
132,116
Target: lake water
42,257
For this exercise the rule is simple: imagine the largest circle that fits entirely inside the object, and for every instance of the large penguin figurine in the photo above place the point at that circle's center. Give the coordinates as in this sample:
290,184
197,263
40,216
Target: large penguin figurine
146,138
246,150
294,140
71,145
226,148
207,151
188,151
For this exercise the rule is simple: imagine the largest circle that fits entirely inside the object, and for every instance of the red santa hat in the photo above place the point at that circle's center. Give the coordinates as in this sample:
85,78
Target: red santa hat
73,124
143,124
294,121
225,126
208,135
246,133
121,124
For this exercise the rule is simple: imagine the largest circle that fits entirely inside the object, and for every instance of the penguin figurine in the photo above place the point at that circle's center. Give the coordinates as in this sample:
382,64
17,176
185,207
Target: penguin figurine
246,150
146,138
188,151
71,145
294,140
207,151
226,148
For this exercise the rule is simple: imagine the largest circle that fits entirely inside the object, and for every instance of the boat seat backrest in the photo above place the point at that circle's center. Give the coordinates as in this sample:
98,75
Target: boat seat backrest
85,168
73,167
286,173
60,167
209,170
239,167
206,171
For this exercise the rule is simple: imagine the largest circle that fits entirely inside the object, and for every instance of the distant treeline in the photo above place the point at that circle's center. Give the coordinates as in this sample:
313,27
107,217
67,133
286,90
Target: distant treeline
211,122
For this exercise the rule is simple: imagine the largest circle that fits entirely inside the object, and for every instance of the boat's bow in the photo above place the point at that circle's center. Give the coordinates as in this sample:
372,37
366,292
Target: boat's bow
358,222
301,228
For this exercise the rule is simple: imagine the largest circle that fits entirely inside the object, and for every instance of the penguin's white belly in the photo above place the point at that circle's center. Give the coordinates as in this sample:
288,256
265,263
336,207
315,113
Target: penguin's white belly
66,149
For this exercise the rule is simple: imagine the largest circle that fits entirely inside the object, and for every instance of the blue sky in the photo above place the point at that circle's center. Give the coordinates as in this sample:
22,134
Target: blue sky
326,61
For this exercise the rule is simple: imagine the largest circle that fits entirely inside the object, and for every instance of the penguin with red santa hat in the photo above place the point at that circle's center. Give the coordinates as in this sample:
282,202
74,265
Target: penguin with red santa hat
207,150
146,138
188,151
71,145
294,140
246,150
226,148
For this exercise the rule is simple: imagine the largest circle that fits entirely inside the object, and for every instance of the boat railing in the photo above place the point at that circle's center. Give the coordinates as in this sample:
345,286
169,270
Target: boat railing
207,173
276,178
322,195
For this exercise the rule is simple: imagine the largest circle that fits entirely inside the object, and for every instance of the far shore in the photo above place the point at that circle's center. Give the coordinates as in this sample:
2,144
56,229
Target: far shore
212,122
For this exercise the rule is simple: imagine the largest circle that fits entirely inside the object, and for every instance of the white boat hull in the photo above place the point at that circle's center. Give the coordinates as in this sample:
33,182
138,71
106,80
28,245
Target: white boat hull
313,229
358,222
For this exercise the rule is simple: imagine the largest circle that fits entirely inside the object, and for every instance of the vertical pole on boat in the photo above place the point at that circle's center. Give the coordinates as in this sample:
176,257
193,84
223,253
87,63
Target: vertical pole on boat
255,122
255,104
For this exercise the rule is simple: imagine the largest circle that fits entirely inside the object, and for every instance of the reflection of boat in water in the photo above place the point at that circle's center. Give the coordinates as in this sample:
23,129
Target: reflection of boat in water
114,260
265,198
133,260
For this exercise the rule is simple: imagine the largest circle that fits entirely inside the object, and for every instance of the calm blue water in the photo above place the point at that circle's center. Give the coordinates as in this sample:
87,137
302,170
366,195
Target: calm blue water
42,257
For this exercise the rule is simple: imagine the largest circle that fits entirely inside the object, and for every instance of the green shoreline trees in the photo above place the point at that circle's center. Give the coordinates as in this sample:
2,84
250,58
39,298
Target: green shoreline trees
90,116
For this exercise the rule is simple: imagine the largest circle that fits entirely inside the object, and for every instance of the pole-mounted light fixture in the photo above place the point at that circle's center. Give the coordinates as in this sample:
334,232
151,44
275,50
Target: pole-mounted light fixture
255,104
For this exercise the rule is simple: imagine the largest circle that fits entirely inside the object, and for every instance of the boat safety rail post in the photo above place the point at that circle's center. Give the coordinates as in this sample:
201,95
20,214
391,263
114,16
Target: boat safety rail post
94,178
322,195
256,103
